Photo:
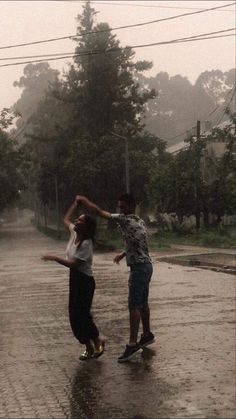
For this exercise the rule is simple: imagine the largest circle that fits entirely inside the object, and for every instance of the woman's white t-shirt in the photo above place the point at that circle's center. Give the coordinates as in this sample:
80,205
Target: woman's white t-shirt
83,252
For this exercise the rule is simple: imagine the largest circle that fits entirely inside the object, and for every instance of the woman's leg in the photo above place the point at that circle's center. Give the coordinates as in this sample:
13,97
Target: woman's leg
80,300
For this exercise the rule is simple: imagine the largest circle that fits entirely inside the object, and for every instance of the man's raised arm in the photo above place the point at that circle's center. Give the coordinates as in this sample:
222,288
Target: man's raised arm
92,207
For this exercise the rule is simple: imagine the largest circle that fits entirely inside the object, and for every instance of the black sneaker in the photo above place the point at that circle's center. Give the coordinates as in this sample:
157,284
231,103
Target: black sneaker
146,340
129,353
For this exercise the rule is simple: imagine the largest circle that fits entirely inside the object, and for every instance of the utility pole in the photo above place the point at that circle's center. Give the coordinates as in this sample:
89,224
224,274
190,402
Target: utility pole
127,166
57,206
197,169
198,130
127,169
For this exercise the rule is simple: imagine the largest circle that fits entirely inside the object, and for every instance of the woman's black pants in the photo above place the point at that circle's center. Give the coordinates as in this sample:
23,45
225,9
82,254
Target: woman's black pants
81,291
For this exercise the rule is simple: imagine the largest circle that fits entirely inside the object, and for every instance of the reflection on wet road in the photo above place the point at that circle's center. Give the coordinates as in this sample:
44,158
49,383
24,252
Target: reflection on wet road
188,372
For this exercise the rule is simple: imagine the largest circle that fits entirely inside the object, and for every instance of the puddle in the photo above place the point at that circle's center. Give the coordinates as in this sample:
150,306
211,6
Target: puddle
221,262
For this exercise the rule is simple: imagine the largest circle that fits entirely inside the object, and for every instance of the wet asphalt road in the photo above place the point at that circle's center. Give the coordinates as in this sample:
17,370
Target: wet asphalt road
188,373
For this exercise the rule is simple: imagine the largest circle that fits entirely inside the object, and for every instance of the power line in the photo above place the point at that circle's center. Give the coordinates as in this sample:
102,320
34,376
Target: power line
117,28
179,41
97,52
233,90
147,6
214,110
189,38
218,106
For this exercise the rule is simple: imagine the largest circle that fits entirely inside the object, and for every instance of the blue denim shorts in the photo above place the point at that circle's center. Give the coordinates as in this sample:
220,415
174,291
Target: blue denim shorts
139,279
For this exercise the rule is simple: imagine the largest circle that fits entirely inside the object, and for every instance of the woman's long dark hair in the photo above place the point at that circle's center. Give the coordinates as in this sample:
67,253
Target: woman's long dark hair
88,229
91,227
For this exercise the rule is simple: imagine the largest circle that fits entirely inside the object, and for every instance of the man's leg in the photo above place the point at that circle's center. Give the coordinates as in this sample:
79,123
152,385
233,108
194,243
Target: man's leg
147,337
132,348
145,318
134,316
134,299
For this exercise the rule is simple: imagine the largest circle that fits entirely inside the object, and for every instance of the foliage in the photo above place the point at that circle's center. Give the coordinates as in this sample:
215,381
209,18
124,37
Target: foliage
10,179
222,177
111,240
71,129
6,117
214,83
170,114
195,182
177,185
35,83
214,238
71,123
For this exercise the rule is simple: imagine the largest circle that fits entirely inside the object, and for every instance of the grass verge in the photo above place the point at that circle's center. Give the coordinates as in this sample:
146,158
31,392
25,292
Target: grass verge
112,240
212,238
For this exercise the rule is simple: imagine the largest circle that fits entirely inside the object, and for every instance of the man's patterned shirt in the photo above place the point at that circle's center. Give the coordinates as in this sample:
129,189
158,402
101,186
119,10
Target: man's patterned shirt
135,237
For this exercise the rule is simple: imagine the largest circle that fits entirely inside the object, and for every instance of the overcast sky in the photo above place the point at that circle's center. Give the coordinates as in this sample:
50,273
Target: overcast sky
28,21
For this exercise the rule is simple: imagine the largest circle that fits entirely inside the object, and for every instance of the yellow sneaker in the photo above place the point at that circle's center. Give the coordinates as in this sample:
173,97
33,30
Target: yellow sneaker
98,352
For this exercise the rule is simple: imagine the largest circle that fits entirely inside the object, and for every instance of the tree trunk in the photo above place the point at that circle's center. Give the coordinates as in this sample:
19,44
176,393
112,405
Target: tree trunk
198,218
45,216
206,218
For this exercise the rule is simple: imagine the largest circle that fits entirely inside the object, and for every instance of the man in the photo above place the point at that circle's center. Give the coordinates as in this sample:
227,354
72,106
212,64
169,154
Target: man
138,259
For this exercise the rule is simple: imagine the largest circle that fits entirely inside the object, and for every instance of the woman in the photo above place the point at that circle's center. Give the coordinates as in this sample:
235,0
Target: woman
79,254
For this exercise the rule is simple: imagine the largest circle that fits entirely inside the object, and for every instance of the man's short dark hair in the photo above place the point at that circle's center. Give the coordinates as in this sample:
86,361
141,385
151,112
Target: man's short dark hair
128,199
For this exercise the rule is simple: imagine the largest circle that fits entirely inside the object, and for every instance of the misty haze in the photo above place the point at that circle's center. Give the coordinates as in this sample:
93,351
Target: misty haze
118,117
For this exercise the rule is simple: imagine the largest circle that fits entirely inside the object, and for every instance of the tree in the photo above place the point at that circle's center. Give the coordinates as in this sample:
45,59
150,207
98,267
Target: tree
35,82
6,117
97,96
222,172
195,182
216,84
108,93
172,186
177,185
10,178
173,111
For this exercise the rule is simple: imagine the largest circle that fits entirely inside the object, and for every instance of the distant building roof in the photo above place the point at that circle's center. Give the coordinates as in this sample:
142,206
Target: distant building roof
173,149
183,145
222,125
